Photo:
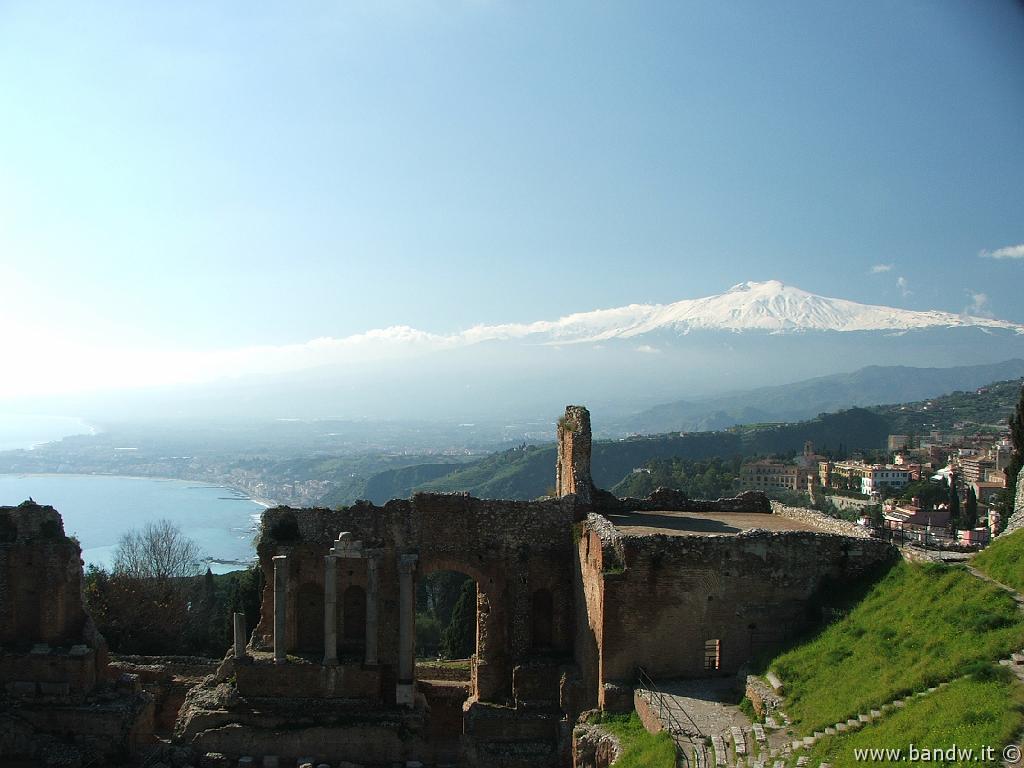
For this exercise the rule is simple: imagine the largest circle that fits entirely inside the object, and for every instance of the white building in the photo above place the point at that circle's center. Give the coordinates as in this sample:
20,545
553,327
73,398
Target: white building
879,476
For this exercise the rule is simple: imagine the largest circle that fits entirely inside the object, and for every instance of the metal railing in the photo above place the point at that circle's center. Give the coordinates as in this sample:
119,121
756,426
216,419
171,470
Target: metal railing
667,715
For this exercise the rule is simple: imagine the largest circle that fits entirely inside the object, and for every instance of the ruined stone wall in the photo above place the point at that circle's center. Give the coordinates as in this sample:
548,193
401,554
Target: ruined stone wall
572,470
664,596
1016,521
511,549
54,677
821,520
668,500
40,579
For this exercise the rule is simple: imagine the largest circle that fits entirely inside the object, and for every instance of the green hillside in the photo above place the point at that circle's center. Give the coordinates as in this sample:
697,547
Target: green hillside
526,473
1003,560
918,626
986,408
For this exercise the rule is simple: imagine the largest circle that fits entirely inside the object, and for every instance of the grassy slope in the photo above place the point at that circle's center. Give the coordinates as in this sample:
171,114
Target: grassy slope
918,626
640,749
969,713
1003,560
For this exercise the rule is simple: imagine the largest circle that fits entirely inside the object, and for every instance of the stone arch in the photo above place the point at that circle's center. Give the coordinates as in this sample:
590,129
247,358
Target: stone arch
309,618
542,621
353,619
491,671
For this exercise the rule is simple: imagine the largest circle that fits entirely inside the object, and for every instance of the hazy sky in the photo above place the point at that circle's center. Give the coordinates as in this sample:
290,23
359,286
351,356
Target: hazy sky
212,175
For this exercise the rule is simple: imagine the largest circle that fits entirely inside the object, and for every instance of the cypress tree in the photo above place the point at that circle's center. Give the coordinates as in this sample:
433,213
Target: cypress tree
1017,457
458,641
971,509
954,504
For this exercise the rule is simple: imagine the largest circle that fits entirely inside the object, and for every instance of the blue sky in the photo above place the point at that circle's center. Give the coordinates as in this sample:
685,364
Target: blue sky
213,175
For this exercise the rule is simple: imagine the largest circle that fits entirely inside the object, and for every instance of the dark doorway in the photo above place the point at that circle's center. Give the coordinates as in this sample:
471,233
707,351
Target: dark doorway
310,619
353,618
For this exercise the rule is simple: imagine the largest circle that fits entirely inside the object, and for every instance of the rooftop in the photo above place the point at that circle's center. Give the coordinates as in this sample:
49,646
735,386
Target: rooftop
704,523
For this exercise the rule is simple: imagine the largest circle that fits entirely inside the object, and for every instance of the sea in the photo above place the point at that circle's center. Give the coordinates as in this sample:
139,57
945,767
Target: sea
99,509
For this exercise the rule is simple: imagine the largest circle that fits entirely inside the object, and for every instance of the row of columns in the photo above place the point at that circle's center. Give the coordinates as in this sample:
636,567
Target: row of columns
347,547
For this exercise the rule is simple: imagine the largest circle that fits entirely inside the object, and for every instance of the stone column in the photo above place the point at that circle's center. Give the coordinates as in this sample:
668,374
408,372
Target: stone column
239,620
330,610
371,610
406,631
280,607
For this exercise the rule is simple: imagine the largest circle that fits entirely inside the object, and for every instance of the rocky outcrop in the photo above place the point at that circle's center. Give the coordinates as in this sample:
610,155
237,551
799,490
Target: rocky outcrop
594,747
1016,521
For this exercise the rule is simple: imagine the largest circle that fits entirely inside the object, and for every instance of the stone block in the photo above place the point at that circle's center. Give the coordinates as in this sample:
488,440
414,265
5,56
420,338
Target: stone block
246,762
271,761
842,727
875,713
41,649
830,731
78,651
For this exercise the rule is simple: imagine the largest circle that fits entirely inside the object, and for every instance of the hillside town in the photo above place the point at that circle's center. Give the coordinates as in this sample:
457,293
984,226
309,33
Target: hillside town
936,490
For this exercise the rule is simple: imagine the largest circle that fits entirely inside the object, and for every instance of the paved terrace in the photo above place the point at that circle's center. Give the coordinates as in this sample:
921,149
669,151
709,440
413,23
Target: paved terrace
705,523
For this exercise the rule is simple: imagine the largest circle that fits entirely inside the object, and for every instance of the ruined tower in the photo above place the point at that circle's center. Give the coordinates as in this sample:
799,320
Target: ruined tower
572,472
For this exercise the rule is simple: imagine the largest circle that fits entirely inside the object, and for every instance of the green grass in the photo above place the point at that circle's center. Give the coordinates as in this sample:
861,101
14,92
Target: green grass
919,625
969,713
640,749
1003,560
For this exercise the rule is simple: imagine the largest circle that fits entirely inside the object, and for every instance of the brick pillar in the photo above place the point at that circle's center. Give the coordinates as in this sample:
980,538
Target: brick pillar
572,471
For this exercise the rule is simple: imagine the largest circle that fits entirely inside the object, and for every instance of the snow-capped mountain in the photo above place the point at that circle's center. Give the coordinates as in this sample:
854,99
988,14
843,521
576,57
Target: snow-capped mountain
767,306
623,359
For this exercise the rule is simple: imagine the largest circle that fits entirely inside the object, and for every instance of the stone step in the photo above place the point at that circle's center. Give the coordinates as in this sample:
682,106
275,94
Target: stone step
759,733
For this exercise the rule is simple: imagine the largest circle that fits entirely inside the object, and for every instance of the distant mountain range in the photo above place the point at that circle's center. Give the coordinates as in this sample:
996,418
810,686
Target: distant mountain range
873,385
618,361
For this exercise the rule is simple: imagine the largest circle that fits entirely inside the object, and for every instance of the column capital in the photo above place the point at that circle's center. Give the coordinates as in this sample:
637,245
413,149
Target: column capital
347,545
407,563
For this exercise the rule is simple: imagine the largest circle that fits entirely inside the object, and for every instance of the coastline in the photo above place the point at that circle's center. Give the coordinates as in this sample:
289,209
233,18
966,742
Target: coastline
265,503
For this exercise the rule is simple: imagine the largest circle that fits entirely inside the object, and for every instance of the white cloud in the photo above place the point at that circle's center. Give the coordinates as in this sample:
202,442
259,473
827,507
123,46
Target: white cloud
904,288
879,268
979,306
647,349
1009,252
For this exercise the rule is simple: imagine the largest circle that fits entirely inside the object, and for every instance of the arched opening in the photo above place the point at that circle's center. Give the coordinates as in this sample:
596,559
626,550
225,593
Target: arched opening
310,619
542,624
446,651
445,617
353,621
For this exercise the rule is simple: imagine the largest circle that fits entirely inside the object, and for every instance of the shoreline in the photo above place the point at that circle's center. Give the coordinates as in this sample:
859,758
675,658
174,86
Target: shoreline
265,503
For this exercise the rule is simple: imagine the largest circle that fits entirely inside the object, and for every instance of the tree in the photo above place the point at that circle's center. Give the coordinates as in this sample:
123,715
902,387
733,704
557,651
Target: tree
1017,457
970,520
954,504
152,601
458,641
159,551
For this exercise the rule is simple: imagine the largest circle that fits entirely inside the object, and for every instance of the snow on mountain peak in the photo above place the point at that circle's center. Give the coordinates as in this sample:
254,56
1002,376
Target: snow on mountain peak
770,306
